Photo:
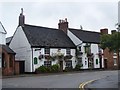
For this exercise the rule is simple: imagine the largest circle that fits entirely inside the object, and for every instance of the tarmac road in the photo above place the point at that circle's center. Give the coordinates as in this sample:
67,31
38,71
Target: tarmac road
71,80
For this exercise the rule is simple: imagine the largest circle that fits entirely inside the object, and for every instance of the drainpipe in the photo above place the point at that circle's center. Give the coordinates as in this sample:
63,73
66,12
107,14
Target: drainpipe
14,65
32,61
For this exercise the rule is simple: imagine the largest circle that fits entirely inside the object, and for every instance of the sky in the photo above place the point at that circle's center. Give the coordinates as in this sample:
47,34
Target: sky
92,15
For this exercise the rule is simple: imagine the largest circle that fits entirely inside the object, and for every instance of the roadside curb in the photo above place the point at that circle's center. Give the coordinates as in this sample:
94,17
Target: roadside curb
82,85
45,74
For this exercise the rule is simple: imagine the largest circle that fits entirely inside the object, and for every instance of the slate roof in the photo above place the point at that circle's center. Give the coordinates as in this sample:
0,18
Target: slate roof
47,37
8,39
86,36
7,49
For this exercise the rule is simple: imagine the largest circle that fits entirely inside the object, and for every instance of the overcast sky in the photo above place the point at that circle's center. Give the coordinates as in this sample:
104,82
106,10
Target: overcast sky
91,15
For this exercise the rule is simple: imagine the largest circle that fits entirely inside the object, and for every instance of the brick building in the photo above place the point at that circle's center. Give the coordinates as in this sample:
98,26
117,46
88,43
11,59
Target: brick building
110,57
8,60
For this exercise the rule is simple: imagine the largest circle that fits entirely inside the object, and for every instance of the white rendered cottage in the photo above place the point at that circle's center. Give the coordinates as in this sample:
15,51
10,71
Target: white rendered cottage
34,44
88,50
89,54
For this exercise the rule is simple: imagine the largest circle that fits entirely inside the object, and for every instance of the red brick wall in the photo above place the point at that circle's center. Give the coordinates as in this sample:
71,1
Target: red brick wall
110,61
7,70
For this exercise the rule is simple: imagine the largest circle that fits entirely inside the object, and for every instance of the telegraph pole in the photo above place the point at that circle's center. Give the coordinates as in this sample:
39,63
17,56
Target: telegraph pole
118,28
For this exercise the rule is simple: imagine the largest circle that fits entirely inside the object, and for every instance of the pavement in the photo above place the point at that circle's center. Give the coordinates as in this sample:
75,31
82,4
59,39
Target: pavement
46,74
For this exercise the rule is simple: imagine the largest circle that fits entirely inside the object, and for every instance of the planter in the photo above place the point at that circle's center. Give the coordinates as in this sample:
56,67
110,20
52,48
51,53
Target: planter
40,57
89,54
48,57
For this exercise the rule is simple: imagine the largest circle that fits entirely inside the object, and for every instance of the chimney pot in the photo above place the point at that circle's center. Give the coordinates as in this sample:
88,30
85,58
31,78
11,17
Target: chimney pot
113,31
104,31
65,19
60,21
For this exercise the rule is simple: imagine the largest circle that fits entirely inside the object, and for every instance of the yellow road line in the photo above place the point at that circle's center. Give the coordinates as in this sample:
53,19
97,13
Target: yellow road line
82,85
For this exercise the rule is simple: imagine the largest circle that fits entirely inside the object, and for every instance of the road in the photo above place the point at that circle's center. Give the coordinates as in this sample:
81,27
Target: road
109,82
71,80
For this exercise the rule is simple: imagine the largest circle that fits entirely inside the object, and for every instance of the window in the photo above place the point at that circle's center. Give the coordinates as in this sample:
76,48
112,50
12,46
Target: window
85,62
69,64
115,61
96,61
79,61
47,63
47,50
79,48
114,52
87,49
3,60
35,60
10,61
68,52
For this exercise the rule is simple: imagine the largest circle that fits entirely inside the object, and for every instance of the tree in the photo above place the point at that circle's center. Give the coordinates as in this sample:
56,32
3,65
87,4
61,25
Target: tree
111,41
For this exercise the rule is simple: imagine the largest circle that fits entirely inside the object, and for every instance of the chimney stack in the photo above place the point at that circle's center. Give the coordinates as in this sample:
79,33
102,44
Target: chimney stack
104,31
21,18
63,25
113,31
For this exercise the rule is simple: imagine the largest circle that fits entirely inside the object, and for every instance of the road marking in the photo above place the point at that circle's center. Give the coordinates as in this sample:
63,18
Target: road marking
82,85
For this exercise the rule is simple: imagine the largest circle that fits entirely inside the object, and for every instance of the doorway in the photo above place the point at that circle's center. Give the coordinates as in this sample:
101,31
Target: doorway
105,63
61,66
22,67
90,63
100,63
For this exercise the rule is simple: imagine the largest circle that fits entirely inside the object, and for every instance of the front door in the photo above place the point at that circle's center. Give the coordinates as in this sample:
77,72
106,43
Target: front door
22,67
105,63
61,65
100,63
90,63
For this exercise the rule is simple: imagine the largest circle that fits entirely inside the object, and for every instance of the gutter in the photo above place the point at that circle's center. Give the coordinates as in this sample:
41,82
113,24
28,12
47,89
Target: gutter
79,44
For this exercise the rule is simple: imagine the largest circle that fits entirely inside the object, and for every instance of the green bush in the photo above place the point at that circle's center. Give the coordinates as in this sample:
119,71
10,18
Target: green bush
44,69
55,68
78,67
67,69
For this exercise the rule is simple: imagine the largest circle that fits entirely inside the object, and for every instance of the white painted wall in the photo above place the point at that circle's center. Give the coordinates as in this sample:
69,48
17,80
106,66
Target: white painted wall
94,50
2,35
2,39
75,40
52,50
21,46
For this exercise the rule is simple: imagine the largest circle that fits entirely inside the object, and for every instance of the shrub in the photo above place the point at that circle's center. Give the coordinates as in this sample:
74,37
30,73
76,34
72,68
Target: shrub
42,69
78,66
68,69
55,68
